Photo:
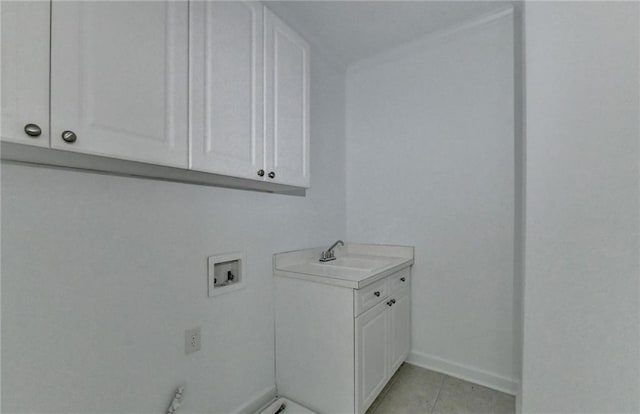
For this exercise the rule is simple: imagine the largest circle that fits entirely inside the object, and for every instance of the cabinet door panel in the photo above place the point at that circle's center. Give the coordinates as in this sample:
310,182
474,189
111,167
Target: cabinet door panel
372,350
286,103
119,79
226,87
25,70
400,334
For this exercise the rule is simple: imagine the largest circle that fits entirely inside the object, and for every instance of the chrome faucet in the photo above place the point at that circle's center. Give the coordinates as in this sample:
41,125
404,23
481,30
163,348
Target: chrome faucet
328,254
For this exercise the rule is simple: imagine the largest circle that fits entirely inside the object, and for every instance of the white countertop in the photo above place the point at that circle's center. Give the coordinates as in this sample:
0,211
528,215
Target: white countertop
356,265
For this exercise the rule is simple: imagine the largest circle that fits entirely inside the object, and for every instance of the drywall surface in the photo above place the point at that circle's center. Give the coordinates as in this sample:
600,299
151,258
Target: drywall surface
430,163
101,276
520,195
581,306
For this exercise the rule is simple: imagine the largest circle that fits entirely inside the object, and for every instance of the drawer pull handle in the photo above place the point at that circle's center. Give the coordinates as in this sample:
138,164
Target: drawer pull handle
69,136
377,293
403,279
32,130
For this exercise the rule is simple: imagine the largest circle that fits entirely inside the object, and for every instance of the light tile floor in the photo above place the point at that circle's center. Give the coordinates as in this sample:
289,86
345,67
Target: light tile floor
415,390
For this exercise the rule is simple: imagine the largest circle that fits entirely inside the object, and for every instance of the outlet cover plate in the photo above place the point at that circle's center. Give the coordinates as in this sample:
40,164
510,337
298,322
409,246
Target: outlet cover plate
192,340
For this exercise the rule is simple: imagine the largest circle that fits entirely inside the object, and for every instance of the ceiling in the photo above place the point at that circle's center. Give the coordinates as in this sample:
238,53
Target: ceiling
354,30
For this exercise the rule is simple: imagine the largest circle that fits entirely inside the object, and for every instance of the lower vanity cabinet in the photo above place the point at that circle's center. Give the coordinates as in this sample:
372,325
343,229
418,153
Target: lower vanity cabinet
337,347
383,338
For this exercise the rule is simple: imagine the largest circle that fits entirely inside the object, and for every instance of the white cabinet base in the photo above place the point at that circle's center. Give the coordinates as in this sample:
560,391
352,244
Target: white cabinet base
331,360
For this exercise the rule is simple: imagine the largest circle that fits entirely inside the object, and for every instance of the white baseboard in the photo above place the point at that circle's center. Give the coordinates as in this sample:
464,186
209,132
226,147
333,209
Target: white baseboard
257,401
465,372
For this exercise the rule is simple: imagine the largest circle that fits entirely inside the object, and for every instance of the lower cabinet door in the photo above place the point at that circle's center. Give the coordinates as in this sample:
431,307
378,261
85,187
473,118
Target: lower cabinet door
400,328
372,354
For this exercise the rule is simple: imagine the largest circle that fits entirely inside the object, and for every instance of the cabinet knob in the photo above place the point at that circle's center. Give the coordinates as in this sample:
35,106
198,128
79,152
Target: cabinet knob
272,175
377,293
403,279
261,173
389,303
69,136
32,130
393,301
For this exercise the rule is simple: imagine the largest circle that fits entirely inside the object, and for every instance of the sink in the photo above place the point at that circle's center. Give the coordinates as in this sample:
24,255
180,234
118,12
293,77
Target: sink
355,266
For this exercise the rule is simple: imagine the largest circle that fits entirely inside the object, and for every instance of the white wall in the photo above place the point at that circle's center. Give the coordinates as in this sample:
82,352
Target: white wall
520,196
581,305
430,163
101,275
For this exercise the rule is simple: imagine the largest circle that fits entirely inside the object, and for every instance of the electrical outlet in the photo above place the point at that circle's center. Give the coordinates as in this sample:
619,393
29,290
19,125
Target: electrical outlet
192,340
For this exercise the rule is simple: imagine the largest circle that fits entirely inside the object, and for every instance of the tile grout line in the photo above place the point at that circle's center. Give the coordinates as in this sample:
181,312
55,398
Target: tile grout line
392,381
382,395
432,407
435,400
381,398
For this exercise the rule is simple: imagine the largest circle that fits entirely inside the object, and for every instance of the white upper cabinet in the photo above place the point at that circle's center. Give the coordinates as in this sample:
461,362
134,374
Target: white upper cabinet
119,79
226,87
249,84
210,86
286,104
25,72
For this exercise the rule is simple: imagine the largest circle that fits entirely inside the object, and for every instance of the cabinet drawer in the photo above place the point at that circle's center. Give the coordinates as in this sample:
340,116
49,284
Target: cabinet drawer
399,279
367,297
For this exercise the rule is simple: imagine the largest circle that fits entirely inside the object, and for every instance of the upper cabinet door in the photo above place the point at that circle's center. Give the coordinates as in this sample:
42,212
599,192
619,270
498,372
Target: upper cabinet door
119,79
286,103
226,42
25,72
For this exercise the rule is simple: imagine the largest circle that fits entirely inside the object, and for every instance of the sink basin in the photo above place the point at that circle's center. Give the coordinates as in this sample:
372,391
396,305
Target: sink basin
356,263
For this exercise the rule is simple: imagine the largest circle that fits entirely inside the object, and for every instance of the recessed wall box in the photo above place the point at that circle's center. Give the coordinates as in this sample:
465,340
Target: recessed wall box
226,273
